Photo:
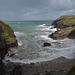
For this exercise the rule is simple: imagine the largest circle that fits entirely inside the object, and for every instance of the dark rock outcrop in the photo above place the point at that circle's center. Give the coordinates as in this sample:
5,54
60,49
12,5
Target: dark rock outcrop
17,70
7,40
47,44
72,34
65,27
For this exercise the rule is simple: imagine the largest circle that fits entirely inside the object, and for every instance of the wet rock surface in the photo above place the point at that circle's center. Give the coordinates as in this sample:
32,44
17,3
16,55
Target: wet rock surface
54,67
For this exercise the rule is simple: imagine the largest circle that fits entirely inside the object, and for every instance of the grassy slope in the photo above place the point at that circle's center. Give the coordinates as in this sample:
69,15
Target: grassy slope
67,20
66,24
8,33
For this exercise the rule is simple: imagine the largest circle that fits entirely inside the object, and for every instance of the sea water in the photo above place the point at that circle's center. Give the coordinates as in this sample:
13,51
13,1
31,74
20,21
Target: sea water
31,36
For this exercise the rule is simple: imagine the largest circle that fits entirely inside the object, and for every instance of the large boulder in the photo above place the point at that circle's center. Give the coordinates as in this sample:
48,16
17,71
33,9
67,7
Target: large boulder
65,27
47,44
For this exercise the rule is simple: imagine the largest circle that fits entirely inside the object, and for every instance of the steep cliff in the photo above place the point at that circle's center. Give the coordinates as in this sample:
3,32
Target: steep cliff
7,40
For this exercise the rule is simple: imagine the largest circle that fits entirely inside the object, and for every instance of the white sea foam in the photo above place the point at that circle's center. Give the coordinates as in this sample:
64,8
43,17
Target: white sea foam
57,49
45,37
45,56
19,33
50,28
49,53
43,25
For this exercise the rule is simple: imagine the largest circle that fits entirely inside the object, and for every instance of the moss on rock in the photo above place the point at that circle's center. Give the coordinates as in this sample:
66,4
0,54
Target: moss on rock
65,27
64,21
8,34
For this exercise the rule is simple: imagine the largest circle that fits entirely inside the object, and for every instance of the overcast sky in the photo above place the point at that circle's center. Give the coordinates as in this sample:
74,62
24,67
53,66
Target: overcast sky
11,10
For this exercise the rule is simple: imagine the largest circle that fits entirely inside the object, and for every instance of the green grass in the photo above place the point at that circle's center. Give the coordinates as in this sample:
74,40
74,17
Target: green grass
7,30
67,20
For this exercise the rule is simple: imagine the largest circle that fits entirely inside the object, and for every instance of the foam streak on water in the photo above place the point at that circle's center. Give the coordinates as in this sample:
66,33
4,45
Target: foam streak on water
31,37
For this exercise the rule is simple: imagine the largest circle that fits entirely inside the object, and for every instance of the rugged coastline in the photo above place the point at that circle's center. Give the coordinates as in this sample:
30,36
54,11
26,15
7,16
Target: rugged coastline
65,27
59,66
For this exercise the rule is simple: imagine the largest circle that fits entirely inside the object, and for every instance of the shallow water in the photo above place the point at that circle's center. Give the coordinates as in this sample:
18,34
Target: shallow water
31,36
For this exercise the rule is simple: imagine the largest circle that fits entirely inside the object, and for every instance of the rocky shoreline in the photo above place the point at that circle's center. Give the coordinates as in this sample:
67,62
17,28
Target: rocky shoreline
65,29
59,66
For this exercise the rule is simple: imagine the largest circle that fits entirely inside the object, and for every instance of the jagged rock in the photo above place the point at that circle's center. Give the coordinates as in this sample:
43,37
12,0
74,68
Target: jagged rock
65,27
47,44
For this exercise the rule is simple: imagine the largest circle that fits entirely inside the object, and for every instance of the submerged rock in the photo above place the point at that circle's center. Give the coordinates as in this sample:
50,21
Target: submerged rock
47,44
65,27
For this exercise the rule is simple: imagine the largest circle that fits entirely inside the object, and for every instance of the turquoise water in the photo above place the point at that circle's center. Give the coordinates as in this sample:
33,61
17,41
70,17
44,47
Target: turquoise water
27,26
30,28
31,36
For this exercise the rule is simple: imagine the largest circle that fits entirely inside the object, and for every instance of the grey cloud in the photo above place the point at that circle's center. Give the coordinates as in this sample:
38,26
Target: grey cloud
62,5
35,9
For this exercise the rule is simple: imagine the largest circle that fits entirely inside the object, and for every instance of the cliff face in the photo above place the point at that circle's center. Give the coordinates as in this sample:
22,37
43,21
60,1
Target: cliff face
7,40
65,27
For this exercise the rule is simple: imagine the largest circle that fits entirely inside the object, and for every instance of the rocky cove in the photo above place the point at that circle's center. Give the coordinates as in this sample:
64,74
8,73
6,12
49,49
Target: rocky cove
58,66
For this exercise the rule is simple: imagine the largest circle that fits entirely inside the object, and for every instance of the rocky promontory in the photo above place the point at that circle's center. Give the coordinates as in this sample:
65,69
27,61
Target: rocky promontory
8,35
7,40
65,27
